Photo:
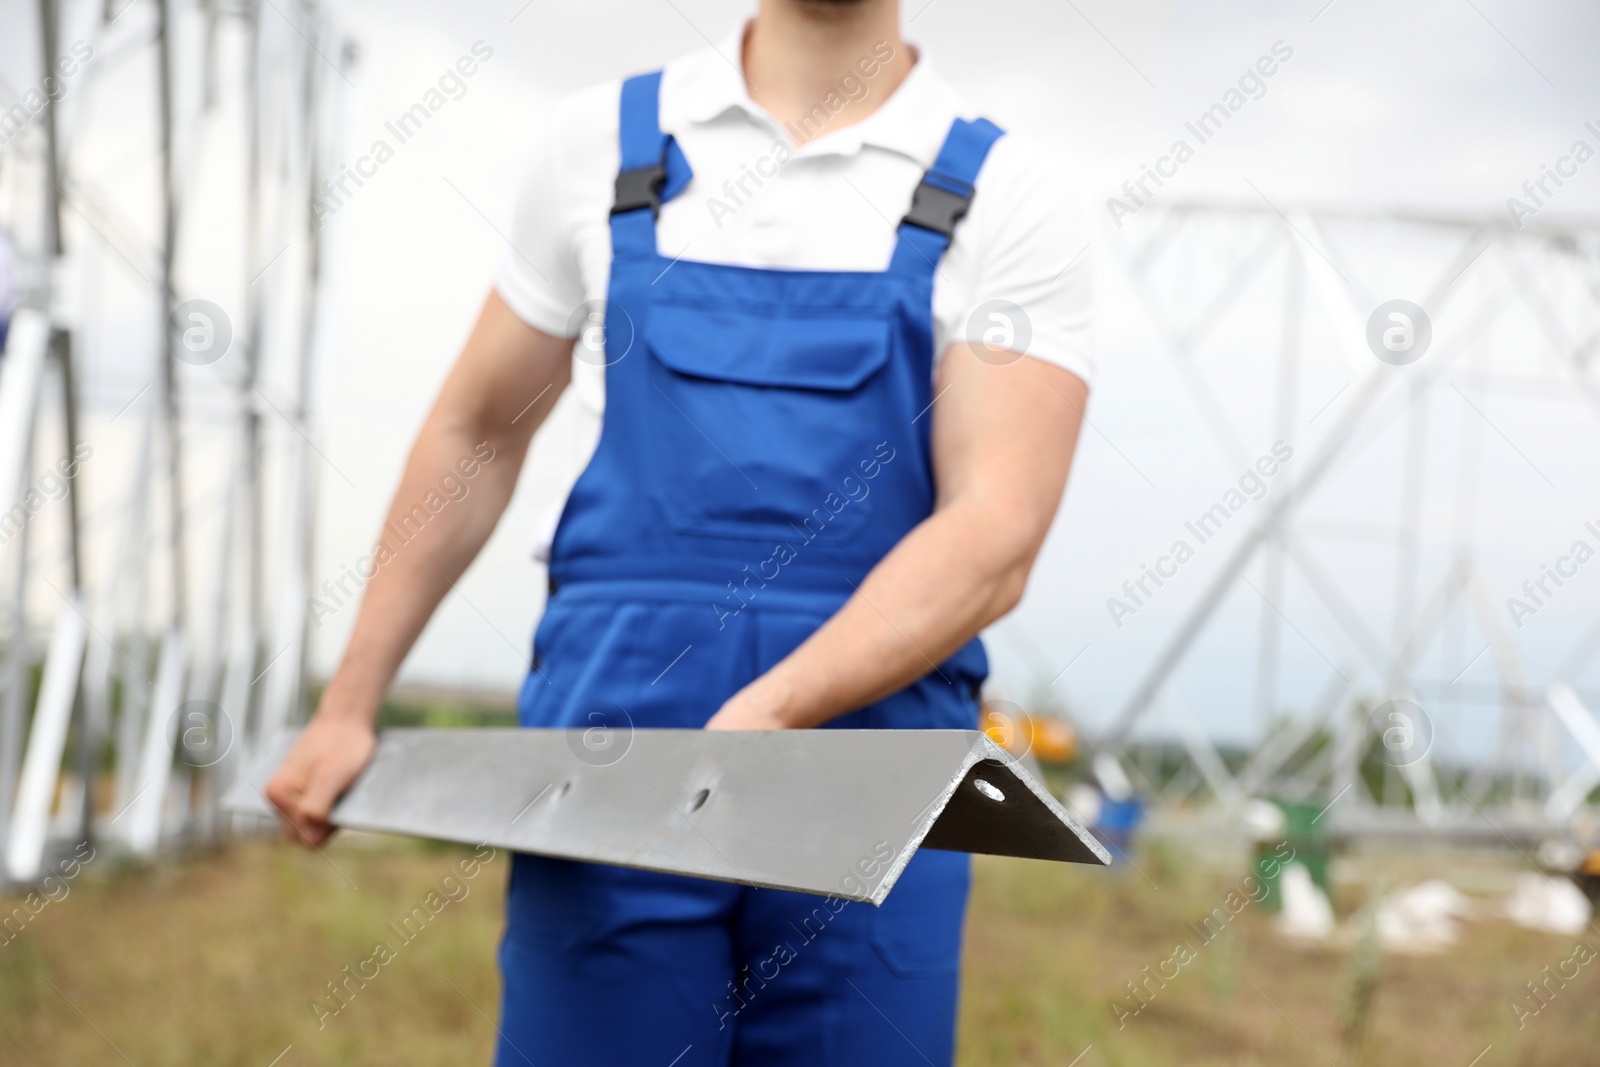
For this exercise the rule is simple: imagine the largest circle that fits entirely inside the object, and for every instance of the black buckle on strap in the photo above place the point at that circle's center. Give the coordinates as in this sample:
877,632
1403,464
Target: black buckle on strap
640,188
936,208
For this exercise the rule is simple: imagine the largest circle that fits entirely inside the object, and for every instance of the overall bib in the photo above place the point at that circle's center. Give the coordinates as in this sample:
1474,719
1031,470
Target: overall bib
765,444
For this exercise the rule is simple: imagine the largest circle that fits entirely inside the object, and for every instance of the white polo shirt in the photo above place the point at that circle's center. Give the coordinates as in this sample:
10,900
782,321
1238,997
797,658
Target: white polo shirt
831,202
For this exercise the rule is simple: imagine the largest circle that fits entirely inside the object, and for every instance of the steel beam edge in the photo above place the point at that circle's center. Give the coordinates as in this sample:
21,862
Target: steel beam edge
835,813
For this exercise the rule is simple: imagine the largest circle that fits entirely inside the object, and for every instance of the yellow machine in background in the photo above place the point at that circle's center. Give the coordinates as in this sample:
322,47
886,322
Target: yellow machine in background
1020,732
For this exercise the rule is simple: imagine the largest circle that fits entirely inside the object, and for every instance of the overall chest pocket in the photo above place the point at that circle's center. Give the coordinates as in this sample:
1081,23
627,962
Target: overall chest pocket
763,425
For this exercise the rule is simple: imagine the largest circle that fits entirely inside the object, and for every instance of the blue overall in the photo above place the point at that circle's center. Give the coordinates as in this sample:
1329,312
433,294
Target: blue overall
764,446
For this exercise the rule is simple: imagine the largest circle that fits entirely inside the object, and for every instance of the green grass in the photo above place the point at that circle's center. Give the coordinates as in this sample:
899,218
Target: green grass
215,960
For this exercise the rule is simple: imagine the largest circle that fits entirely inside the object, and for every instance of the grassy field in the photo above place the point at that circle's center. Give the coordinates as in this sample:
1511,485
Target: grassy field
213,962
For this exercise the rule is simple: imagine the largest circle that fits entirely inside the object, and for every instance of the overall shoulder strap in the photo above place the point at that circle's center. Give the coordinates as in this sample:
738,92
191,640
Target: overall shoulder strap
652,170
942,197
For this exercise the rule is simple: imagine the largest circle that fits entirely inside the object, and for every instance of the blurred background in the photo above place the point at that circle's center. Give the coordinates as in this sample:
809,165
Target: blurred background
1355,711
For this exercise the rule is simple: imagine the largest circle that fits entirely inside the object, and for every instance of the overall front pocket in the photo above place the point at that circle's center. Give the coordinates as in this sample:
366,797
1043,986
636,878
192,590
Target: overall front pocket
767,423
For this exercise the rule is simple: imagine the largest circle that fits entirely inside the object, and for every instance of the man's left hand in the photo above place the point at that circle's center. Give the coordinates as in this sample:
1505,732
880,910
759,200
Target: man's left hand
749,709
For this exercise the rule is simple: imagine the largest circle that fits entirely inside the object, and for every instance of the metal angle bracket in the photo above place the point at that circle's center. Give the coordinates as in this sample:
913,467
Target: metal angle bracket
830,812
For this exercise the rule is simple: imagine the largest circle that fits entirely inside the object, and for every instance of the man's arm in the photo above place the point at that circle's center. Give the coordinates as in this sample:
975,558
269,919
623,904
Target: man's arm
1003,438
505,381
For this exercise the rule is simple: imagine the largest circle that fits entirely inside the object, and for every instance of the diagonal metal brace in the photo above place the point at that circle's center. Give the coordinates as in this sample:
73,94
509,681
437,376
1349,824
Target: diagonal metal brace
831,812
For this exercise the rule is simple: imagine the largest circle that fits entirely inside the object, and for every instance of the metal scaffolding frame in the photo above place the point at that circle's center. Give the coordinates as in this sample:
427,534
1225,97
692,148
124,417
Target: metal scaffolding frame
1528,785
150,586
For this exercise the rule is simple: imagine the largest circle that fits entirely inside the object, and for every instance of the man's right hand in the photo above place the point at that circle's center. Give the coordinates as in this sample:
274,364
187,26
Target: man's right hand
332,751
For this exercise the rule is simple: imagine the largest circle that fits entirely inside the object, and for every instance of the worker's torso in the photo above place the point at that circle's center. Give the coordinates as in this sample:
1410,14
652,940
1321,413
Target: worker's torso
766,442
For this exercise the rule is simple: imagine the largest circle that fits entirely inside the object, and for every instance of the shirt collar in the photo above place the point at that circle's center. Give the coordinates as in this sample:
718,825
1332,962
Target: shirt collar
702,87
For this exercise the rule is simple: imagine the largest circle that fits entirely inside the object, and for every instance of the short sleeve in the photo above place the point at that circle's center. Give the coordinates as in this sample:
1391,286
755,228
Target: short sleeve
1031,282
539,277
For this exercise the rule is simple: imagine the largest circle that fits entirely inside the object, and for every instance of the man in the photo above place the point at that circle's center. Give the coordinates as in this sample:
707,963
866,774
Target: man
831,448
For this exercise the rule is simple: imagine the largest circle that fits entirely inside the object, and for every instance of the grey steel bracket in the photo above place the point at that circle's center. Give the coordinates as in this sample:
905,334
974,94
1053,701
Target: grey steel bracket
831,812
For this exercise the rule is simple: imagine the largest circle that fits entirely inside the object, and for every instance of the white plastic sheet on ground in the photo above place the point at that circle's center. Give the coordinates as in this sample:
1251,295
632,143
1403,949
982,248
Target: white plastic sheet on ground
1552,905
1424,918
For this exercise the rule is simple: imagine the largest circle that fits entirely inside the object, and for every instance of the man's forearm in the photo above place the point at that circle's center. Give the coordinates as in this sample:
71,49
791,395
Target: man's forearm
1003,442
950,577
421,553
458,479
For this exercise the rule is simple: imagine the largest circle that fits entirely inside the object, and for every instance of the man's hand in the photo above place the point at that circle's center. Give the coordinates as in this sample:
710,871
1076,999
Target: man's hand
331,753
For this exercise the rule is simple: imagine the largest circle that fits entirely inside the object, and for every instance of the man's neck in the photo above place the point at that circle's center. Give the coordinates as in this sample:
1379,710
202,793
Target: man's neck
805,55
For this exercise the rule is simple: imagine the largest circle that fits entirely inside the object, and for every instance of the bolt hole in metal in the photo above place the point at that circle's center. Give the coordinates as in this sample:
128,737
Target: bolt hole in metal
987,790
699,800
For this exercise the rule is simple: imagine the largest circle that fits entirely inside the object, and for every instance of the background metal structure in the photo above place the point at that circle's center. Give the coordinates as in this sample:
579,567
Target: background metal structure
140,659
1544,760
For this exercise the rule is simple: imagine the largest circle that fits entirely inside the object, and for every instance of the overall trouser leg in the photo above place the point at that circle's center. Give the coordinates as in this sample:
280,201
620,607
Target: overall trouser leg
604,965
